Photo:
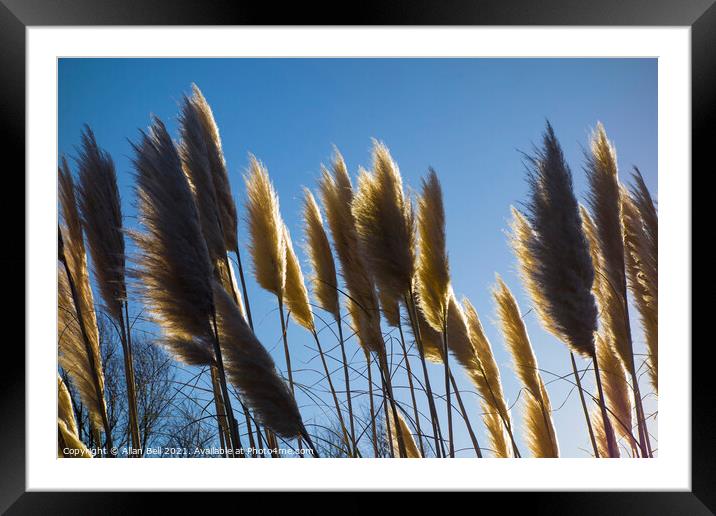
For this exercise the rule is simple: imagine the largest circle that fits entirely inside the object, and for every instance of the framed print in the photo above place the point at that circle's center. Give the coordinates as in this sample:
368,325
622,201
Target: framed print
287,254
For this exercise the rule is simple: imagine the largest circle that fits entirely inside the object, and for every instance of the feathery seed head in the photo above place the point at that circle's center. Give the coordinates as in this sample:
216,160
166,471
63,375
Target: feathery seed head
78,353
337,197
553,251
486,377
516,338
641,246
605,205
268,249
323,277
541,435
295,292
433,273
250,368
194,153
411,448
384,222
217,164
101,214
173,263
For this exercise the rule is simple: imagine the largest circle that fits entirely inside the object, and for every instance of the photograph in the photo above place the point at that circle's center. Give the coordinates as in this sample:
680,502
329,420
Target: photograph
316,258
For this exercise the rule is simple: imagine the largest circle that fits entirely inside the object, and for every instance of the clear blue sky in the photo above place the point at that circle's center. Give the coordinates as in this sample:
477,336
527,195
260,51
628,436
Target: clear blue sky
467,118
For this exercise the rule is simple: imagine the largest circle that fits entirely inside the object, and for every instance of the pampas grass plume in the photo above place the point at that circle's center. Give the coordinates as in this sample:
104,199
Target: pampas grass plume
268,248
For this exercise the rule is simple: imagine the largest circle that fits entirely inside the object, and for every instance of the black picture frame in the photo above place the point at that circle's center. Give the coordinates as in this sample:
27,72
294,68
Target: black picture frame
17,15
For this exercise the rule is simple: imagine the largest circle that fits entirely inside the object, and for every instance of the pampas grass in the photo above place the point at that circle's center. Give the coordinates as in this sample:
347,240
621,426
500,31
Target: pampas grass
486,376
384,223
295,291
69,441
605,203
325,282
542,438
576,264
193,151
100,210
174,263
640,223
251,370
403,430
219,175
225,205
69,444
323,279
606,441
297,301
268,249
79,351
337,196
616,388
554,256
433,271
555,262
65,412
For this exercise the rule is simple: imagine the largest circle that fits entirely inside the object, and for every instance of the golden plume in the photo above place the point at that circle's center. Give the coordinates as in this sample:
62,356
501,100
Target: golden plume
605,204
65,412
217,164
67,427
295,291
433,273
323,278
641,241
487,380
252,371
337,197
411,448
194,153
431,339
616,388
384,222
68,440
542,438
611,316
390,307
78,340
266,230
80,365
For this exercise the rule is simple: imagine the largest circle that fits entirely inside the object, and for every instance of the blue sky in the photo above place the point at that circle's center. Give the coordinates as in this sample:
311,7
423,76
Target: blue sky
467,118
